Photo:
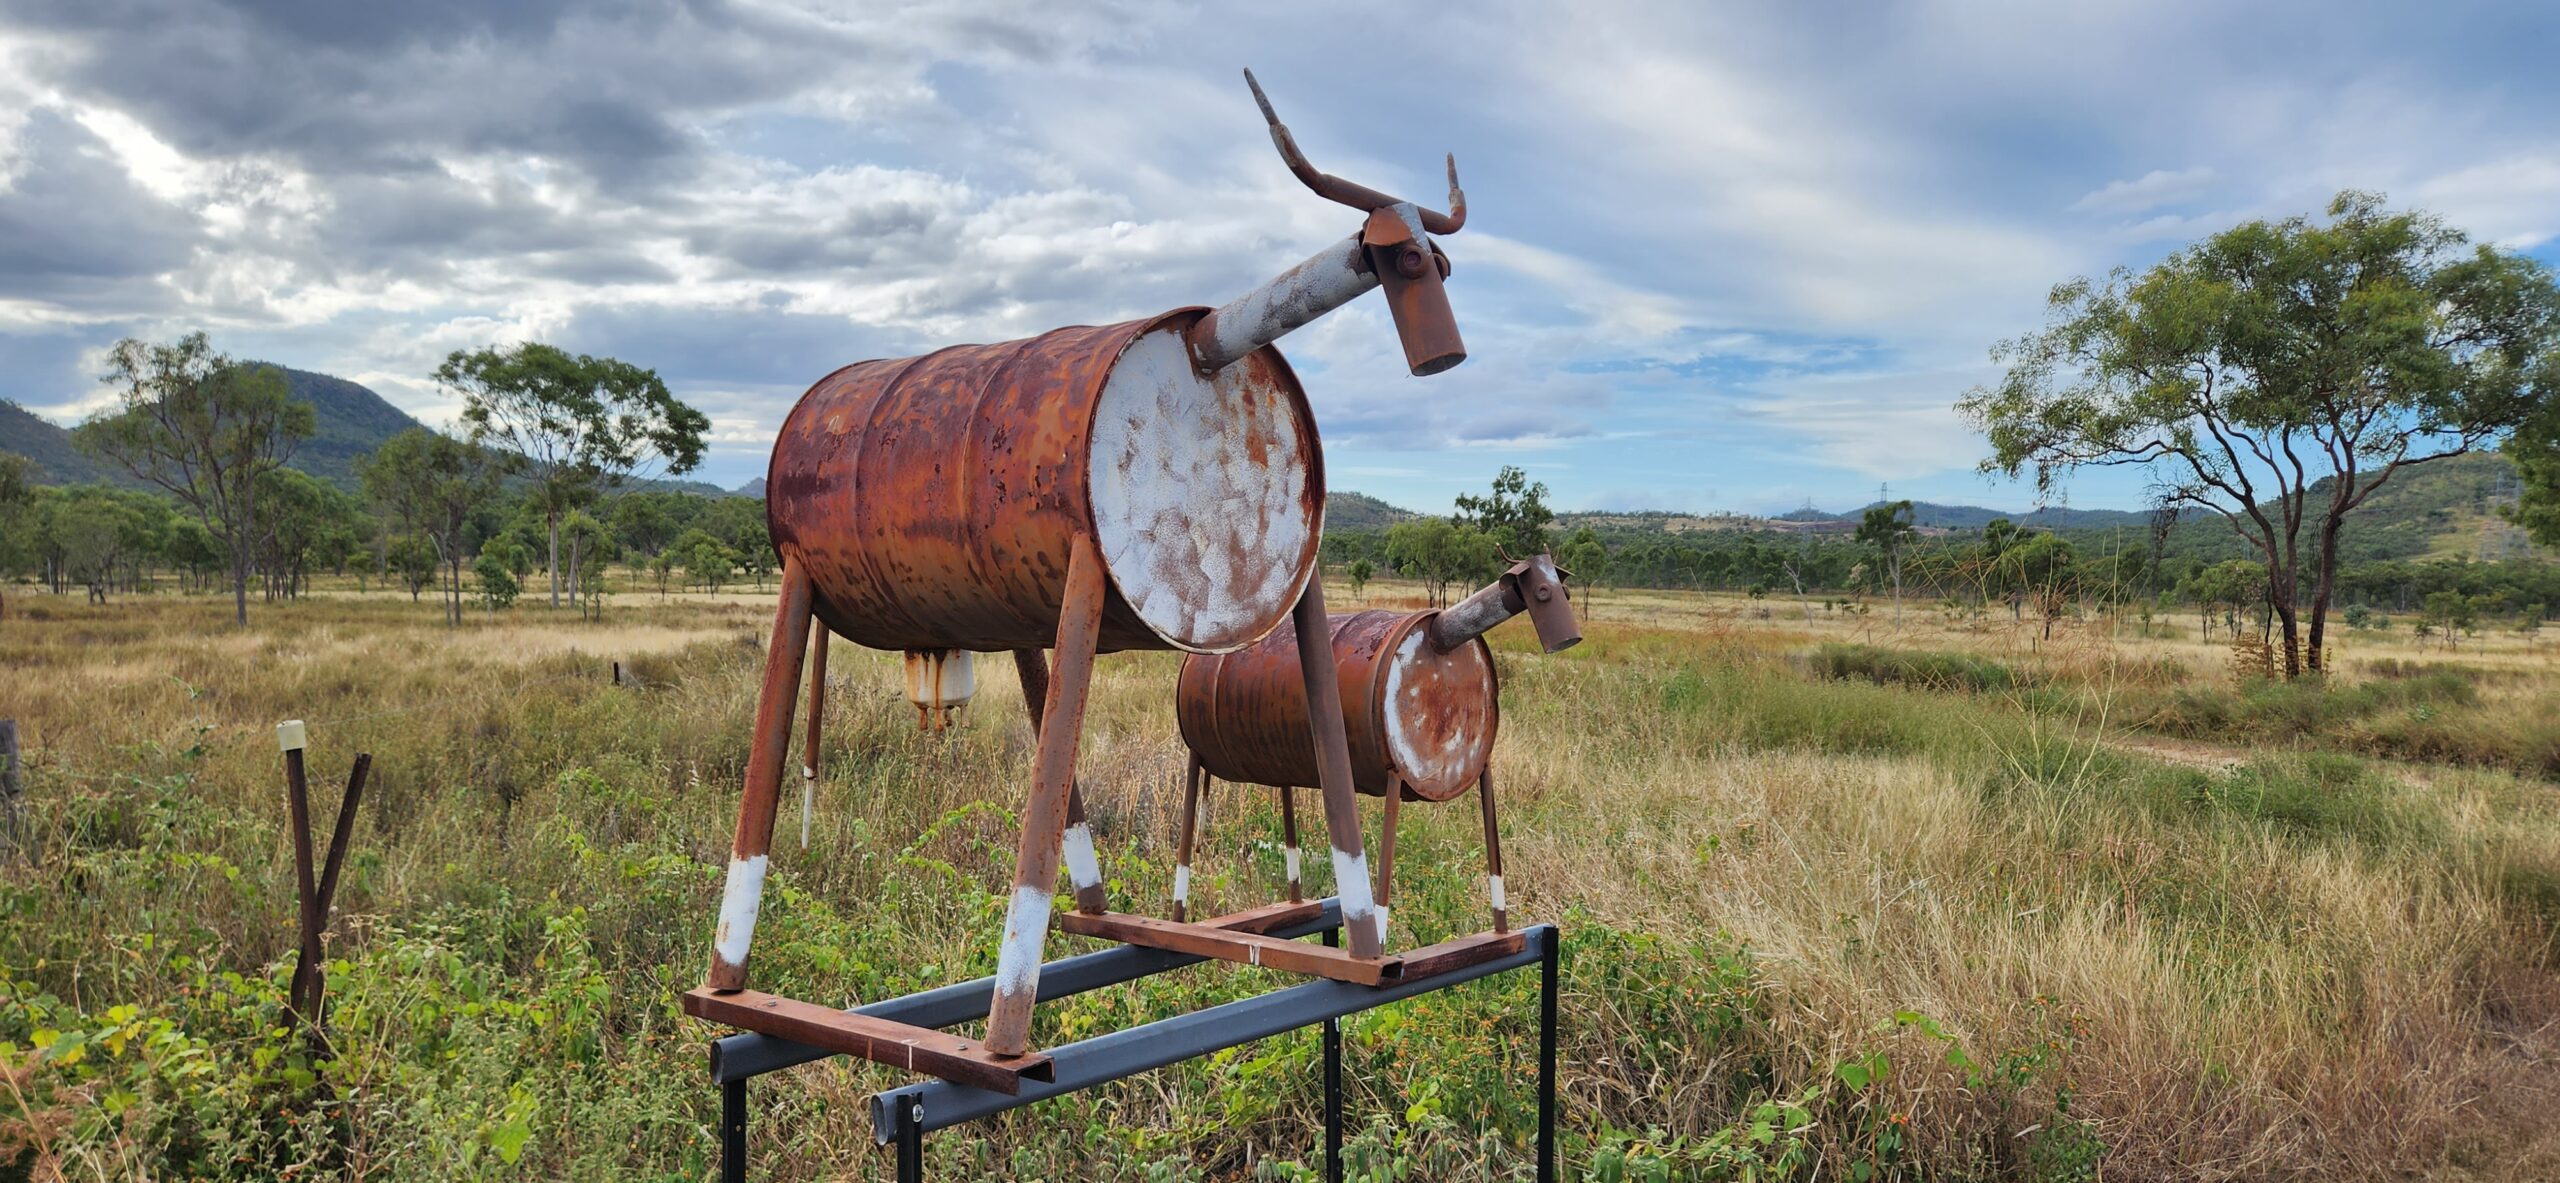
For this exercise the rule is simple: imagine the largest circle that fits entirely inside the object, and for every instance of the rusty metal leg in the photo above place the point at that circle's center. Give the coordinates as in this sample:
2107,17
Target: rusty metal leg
1192,776
1044,822
1333,772
809,747
754,839
1031,668
1492,852
1289,841
1387,852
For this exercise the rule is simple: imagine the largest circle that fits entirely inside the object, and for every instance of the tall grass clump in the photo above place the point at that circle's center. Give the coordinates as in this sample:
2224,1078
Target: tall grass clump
1817,927
1905,667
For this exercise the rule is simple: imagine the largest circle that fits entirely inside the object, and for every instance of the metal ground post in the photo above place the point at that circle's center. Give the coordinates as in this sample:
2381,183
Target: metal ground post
733,1132
1333,1086
911,1142
1548,960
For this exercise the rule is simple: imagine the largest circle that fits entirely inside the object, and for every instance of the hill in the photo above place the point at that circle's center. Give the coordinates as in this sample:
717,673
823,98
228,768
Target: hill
1359,511
58,460
350,421
1975,517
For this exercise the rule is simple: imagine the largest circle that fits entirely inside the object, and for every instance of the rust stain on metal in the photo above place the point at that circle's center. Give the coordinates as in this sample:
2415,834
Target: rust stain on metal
933,499
940,683
1437,714
1413,715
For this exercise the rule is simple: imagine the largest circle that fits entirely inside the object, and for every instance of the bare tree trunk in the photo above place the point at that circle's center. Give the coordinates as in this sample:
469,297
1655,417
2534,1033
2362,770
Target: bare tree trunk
240,584
2291,619
552,515
2323,586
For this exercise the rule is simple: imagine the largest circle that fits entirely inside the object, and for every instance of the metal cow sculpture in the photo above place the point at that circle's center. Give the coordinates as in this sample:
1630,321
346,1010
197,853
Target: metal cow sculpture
1156,484
1419,702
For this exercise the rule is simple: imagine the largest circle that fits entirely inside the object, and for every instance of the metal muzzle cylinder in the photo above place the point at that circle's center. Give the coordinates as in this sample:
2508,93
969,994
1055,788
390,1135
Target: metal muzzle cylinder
1534,585
1411,268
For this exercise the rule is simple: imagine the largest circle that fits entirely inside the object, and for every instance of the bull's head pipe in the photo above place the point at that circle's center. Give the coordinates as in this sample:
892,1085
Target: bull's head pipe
1534,585
1393,248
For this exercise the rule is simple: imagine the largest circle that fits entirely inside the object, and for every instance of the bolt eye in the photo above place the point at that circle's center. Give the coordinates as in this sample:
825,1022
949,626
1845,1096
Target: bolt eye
1409,261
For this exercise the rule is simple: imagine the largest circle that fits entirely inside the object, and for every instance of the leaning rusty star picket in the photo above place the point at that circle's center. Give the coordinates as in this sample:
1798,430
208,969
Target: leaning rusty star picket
1153,484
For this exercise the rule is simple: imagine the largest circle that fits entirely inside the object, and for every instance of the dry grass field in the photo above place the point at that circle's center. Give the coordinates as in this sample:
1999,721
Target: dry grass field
1843,900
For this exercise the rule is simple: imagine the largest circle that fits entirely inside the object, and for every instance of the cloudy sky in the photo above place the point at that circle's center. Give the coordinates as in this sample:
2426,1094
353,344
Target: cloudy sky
1719,256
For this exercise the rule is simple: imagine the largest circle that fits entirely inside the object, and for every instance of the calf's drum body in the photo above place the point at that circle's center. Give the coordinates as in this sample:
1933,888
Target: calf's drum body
1414,715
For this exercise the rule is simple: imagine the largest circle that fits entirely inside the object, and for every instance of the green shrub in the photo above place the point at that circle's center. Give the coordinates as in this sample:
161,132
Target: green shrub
2323,795
2293,710
498,586
1904,667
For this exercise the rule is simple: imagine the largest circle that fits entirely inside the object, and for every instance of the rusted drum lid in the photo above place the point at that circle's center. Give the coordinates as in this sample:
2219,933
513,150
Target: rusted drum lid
1204,492
1436,712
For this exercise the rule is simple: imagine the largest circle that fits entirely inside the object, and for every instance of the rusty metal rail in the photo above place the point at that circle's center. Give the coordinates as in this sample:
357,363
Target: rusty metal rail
901,1117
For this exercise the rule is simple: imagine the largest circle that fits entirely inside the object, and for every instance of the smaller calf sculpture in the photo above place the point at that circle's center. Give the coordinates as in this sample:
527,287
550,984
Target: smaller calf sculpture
1420,704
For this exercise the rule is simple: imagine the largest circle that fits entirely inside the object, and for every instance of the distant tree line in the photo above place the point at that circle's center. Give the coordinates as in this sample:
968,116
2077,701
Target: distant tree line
2005,566
546,474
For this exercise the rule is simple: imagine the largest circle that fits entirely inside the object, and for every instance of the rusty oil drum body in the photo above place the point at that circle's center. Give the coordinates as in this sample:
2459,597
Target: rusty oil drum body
934,500
1414,715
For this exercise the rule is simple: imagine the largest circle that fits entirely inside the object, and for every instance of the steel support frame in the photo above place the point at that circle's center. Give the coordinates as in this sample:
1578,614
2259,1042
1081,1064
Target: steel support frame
901,1117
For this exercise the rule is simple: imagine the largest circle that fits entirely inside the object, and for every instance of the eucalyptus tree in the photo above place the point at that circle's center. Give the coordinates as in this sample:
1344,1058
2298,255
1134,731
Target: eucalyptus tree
1438,552
577,425
17,494
205,428
308,523
1587,557
1887,527
2277,374
428,483
1514,514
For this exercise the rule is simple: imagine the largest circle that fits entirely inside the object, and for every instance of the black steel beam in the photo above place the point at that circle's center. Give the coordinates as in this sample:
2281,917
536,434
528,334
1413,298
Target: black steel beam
748,1055
733,1132
1106,1058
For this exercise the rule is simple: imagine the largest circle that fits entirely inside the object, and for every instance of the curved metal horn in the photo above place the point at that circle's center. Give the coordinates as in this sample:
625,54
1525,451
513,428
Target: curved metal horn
1352,193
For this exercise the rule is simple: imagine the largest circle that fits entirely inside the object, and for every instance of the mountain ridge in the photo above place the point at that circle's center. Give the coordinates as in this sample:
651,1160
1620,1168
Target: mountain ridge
350,421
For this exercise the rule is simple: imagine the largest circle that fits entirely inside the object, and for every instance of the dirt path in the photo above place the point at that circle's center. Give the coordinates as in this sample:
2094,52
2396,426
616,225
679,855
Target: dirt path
2223,758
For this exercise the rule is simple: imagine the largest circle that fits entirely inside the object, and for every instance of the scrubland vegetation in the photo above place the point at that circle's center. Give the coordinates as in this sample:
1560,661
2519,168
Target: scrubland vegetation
1842,901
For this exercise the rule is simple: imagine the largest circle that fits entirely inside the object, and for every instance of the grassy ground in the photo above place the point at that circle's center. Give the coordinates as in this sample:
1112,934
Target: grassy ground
1843,900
